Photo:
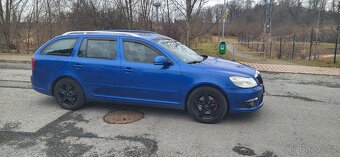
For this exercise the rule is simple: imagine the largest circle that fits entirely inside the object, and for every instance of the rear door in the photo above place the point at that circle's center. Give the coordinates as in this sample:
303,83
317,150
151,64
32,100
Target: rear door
98,66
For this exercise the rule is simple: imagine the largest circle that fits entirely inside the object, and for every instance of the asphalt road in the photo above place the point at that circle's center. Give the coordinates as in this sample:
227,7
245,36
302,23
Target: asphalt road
301,117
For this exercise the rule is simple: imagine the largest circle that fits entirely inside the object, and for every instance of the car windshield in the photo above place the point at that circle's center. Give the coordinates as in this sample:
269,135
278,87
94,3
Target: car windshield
181,51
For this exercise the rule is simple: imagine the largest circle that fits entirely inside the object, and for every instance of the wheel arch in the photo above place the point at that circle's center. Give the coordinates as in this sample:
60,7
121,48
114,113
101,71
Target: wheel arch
205,85
68,77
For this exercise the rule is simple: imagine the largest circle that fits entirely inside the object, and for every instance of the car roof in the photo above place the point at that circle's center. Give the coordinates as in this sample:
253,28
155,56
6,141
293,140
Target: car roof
132,33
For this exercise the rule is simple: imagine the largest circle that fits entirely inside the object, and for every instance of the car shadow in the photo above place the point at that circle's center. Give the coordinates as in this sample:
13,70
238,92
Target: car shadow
173,113
48,101
155,111
242,117
145,109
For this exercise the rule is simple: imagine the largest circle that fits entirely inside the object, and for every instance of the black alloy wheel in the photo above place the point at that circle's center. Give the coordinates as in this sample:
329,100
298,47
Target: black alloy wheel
69,94
207,105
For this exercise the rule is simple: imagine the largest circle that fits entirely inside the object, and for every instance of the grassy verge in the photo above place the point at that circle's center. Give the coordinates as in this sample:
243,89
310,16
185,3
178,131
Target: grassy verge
210,48
326,62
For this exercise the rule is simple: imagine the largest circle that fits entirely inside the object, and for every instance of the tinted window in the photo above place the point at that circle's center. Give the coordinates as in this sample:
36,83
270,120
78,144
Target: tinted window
136,52
63,47
98,48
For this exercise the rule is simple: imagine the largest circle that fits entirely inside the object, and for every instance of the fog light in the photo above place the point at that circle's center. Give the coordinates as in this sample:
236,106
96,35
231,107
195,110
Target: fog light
249,103
252,100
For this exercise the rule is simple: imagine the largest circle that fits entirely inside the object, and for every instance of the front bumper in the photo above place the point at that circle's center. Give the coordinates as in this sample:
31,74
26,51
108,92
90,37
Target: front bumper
245,100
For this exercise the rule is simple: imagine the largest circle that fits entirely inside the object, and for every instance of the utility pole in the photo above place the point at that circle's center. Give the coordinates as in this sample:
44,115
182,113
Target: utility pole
317,24
157,5
311,44
223,46
267,27
224,16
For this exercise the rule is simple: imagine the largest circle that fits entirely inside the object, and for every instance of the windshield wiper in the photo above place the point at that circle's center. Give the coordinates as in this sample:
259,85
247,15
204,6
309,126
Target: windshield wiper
204,57
195,62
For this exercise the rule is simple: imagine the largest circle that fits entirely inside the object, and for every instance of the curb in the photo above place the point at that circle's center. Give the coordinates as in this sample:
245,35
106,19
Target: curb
15,61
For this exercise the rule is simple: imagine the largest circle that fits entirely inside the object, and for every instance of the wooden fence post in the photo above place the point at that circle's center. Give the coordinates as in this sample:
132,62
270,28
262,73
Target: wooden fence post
311,44
280,53
294,38
336,43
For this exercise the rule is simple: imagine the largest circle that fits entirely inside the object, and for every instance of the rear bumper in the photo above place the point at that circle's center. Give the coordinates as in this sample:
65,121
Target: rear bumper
245,100
39,89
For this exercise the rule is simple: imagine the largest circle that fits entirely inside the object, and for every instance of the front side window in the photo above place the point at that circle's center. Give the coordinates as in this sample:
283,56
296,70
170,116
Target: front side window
98,48
137,52
62,47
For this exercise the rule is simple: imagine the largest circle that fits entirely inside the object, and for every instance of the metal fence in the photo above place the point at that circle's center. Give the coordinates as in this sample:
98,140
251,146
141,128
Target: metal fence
316,44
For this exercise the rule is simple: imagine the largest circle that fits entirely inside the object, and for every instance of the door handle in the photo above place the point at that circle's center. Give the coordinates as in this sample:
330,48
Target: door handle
77,66
128,70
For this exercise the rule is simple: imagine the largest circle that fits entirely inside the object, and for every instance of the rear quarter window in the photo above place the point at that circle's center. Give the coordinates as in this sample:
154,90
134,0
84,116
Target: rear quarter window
62,47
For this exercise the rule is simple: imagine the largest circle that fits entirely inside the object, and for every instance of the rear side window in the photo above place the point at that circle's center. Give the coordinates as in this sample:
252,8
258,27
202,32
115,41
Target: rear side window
62,47
98,48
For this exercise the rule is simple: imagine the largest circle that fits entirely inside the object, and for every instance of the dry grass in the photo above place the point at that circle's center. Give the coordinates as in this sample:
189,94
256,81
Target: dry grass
325,62
210,48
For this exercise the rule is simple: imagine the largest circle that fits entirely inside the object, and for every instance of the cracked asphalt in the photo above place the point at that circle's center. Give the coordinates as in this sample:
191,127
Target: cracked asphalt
301,117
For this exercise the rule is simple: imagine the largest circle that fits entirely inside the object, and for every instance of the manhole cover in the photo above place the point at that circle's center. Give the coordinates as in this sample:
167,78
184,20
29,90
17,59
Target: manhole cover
123,116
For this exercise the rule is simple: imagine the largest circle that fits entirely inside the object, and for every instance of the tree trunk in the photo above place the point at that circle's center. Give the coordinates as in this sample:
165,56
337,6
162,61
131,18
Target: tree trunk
188,22
131,17
7,22
169,20
49,13
188,34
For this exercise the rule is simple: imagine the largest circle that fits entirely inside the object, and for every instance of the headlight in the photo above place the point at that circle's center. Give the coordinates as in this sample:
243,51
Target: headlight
243,82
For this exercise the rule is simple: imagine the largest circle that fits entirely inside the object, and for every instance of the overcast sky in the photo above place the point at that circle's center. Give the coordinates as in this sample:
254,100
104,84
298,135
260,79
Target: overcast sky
213,2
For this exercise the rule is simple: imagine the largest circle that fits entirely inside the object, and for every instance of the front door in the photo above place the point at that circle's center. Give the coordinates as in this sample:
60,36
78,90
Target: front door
144,81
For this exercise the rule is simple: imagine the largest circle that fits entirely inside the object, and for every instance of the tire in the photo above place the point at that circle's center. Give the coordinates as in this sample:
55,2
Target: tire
207,105
69,94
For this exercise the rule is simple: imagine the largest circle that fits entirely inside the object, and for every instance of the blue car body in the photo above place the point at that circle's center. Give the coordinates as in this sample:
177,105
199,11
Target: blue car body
141,83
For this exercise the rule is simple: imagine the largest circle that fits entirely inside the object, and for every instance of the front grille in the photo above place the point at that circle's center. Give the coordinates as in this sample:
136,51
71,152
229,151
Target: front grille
259,78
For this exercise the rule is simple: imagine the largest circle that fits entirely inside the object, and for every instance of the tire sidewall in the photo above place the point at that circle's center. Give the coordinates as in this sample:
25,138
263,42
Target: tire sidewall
222,108
81,100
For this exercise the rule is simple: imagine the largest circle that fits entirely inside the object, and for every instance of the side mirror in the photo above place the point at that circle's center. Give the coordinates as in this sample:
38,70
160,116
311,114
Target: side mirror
161,60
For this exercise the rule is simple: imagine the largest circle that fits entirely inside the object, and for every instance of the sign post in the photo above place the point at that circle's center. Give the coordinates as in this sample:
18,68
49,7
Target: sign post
222,48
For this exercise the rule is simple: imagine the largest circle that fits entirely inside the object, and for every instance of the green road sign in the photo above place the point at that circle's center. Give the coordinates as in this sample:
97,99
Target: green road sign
222,48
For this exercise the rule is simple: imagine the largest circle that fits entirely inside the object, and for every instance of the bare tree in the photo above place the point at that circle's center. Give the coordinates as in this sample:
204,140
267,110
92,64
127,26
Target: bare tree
145,12
10,15
187,8
128,10
333,6
33,22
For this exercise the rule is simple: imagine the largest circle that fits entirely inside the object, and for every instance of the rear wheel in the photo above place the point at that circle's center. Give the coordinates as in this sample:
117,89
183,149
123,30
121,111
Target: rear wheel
207,105
69,94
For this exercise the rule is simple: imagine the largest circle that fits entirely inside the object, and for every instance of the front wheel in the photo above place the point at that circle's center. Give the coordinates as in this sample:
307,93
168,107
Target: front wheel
69,94
207,105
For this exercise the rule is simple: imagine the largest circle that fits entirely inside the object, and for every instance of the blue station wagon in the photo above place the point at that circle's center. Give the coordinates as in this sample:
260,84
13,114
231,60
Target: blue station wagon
143,68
